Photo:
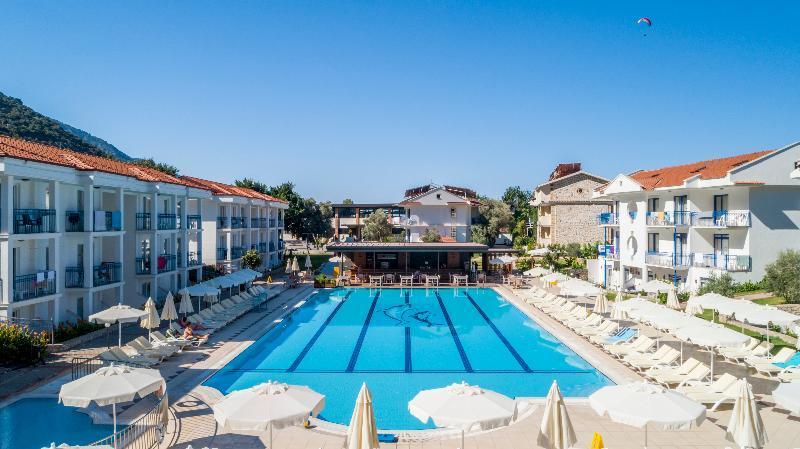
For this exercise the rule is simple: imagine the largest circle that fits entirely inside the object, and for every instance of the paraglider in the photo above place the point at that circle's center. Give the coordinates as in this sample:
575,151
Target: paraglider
646,21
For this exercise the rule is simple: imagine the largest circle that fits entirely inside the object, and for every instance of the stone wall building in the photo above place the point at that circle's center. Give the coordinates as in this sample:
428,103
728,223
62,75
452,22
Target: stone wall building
567,211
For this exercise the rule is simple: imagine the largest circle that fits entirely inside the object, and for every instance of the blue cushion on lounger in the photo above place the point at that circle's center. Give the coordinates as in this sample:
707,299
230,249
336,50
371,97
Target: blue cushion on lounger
387,438
795,360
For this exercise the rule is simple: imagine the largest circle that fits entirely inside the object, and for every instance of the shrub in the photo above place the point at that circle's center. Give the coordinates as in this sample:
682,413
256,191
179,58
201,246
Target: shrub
251,259
722,284
524,263
783,276
431,236
749,286
66,331
20,345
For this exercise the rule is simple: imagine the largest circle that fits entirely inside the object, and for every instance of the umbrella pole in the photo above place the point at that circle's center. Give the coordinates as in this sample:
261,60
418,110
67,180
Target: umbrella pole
114,412
270,435
712,366
462,438
645,436
119,327
681,352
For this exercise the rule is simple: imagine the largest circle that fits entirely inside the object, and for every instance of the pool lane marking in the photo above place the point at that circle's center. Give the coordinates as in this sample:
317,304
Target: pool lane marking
454,334
500,335
360,342
316,336
408,367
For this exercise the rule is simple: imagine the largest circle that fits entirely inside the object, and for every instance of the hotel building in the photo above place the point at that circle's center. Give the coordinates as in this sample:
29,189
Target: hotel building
684,223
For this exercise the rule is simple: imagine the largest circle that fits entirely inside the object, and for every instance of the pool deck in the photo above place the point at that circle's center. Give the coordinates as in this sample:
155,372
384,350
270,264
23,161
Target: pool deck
192,422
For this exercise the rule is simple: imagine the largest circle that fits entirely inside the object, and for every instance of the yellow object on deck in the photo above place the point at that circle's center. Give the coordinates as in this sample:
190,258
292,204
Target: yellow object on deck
597,442
336,272
269,279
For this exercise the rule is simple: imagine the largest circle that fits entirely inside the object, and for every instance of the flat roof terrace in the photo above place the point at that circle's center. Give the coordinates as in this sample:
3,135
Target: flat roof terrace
460,247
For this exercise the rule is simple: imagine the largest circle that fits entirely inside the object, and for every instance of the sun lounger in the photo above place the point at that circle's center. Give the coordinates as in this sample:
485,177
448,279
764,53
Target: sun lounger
110,356
641,344
767,365
139,359
716,398
789,374
674,374
719,385
646,355
739,354
670,357
592,320
137,348
623,335
164,348
607,327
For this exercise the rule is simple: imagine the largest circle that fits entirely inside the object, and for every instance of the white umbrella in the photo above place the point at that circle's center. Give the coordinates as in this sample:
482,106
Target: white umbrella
538,252
672,299
463,406
151,320
295,265
787,396
288,266
655,286
555,431
169,312
267,405
711,337
308,263
693,306
119,313
537,272
640,404
185,306
363,431
67,446
600,304
577,287
110,385
745,427
617,311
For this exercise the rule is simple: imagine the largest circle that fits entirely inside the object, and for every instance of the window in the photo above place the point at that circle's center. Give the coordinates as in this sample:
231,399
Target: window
453,232
146,289
652,242
652,205
452,212
438,196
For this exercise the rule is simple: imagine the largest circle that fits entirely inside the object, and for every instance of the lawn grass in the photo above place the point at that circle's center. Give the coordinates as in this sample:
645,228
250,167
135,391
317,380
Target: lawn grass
776,341
771,301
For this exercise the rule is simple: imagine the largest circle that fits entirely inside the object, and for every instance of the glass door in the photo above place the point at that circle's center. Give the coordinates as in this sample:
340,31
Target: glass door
720,209
680,210
721,249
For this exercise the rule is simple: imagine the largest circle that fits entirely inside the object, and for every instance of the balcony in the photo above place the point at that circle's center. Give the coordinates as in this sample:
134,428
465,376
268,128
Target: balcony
726,262
106,273
34,221
30,286
144,221
262,247
237,252
166,262
167,222
258,222
610,252
180,259
280,245
222,253
143,265
195,259
238,223
107,221
633,215
272,222
271,246
73,277
222,223
668,260
194,222
723,219
670,219
73,221
280,223
608,219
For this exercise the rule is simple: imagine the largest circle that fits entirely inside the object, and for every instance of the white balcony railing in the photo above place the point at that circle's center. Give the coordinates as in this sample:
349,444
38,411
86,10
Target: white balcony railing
725,262
723,219
668,259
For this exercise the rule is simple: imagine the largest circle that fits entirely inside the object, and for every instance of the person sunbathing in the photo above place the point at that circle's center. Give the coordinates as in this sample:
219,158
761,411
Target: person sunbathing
188,334
186,324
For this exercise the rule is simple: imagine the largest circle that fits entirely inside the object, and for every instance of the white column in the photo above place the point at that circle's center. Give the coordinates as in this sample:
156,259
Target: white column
6,274
88,209
7,205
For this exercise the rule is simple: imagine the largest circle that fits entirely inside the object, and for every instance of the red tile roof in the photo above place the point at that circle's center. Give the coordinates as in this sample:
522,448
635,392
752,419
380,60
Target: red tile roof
32,151
220,189
676,175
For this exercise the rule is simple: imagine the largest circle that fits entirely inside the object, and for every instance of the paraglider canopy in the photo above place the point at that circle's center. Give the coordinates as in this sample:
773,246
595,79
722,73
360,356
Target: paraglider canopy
646,22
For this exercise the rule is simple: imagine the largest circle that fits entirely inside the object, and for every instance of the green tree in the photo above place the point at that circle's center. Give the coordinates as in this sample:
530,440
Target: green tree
252,184
493,216
783,275
347,201
293,216
251,259
431,236
721,284
376,227
518,200
163,167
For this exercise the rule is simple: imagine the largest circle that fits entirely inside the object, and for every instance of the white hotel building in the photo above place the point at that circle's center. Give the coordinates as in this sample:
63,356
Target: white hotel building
79,233
683,223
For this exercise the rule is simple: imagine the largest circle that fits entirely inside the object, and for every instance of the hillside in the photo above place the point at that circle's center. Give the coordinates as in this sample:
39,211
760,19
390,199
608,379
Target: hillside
18,120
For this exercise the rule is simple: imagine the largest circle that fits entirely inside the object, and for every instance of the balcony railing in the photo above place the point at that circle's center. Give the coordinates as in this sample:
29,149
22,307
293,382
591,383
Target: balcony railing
73,221
73,277
107,221
30,286
727,262
262,247
195,258
180,259
723,219
272,222
237,252
610,252
193,222
633,215
107,273
280,223
222,222
166,262
143,265
34,221
608,219
668,259
238,223
678,218
222,253
280,245
271,246
144,221
167,222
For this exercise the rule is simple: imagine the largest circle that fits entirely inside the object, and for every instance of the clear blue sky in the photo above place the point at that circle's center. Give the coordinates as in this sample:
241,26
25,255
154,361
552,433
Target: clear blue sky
365,99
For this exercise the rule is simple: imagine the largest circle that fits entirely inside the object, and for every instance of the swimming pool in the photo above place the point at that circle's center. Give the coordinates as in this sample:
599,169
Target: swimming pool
33,423
401,341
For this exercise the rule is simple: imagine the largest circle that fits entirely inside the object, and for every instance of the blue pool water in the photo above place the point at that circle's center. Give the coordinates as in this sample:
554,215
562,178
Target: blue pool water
402,341
35,423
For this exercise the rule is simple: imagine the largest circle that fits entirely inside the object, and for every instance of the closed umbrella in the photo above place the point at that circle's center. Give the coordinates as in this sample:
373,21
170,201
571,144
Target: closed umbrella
295,265
642,404
745,427
267,405
363,431
110,385
185,307
693,306
618,312
672,299
288,266
600,304
555,431
151,320
463,406
787,396
308,264
169,312
119,314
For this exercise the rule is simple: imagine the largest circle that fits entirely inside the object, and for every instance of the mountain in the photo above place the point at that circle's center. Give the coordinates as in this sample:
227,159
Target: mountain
18,120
